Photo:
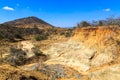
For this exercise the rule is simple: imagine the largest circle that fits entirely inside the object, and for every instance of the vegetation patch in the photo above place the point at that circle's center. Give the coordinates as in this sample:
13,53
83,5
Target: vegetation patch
16,57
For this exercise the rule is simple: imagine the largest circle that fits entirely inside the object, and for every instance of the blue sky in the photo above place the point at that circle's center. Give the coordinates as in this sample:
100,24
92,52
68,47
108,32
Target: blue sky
62,13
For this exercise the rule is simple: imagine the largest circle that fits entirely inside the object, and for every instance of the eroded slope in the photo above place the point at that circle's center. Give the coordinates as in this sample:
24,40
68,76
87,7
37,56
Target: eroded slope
88,50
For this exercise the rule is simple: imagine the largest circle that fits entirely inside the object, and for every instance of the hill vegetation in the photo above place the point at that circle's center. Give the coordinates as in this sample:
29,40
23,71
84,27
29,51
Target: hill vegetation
108,22
22,29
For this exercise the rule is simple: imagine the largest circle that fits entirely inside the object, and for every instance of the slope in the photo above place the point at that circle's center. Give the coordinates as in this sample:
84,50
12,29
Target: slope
91,51
30,22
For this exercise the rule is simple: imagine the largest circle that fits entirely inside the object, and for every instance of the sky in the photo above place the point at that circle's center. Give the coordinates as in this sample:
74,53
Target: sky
60,13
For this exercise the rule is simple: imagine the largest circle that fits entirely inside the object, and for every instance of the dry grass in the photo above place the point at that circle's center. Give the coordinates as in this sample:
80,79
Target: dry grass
8,72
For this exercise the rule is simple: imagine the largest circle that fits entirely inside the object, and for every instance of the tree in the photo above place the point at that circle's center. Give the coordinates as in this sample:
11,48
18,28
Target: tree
94,23
110,20
78,25
100,23
84,24
117,21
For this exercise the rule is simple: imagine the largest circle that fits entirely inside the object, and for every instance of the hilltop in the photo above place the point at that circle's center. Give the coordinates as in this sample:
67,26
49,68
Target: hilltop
29,22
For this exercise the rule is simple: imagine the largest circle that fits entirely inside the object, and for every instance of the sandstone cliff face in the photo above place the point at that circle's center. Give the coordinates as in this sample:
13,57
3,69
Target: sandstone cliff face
91,51
105,42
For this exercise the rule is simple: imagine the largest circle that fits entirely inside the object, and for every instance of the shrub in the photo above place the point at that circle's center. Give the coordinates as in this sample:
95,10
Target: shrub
62,33
10,37
1,37
18,35
28,78
68,34
17,57
37,51
84,24
41,37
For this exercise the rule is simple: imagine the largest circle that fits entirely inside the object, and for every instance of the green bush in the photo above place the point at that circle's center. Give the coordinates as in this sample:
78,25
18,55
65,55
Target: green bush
18,35
1,37
38,38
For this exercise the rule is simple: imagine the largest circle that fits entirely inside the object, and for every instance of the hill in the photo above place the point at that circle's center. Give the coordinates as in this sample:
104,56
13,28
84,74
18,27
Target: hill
29,22
24,28
11,33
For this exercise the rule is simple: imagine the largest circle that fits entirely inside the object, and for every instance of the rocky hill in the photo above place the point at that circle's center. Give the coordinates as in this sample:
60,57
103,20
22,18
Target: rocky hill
30,22
24,28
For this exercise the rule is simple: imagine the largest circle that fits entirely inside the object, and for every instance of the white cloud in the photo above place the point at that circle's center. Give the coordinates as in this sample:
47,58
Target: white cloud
107,9
8,8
